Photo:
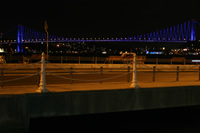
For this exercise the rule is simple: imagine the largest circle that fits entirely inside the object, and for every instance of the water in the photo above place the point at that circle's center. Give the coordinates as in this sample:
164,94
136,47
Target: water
174,120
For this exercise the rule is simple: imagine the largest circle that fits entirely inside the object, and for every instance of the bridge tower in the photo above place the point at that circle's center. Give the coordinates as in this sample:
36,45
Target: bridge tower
20,38
193,30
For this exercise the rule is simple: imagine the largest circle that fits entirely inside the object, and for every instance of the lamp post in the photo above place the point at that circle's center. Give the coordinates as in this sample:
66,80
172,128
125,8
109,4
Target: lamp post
46,28
134,79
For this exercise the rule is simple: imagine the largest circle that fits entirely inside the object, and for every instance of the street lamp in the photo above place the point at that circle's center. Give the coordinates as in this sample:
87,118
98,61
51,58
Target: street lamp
46,28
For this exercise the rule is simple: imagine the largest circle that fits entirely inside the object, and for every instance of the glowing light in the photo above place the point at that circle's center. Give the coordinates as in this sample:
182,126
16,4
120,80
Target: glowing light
1,50
195,60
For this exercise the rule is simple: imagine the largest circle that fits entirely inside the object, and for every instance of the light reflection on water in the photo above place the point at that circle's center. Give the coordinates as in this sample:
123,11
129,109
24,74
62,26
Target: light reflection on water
176,120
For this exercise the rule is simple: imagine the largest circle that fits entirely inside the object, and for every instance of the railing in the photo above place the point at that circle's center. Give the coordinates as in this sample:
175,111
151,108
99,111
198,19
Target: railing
20,73
150,73
98,75
191,73
31,72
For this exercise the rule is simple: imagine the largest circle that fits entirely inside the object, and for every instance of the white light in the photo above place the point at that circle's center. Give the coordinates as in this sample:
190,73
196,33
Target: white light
1,50
104,52
195,60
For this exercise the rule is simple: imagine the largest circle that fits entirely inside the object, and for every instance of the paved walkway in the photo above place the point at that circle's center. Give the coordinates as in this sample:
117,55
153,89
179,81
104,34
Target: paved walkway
92,86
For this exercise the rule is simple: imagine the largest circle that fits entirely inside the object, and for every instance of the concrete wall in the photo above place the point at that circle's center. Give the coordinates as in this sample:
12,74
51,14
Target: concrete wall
87,102
16,110
14,115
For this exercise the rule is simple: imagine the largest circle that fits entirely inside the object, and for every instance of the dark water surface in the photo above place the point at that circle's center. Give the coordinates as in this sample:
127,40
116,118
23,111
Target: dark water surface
173,120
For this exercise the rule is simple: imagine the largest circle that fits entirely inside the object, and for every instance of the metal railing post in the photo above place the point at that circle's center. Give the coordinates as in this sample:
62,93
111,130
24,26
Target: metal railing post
134,78
177,74
61,58
154,73
71,75
96,60
199,73
38,76
2,77
42,85
101,75
128,75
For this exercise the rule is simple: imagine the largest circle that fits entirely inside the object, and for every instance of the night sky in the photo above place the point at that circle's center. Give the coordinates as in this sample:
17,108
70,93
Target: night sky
99,18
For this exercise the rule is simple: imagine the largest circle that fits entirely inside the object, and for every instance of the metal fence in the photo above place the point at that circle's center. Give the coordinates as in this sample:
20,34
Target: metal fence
61,75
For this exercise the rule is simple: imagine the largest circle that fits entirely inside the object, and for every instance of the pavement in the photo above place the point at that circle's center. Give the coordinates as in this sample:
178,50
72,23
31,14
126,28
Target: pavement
24,89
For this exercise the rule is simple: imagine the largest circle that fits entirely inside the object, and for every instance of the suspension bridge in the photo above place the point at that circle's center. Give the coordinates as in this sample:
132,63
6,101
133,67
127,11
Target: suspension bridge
69,100
181,33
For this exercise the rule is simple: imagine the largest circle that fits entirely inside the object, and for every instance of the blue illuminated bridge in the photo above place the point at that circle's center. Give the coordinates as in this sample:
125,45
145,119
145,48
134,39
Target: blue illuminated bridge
181,33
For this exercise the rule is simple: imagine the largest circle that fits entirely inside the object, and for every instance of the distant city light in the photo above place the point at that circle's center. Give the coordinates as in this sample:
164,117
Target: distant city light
1,50
195,61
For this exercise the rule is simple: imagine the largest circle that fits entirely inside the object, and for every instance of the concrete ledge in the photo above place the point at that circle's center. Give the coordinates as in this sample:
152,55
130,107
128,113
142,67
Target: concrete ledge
16,110
101,101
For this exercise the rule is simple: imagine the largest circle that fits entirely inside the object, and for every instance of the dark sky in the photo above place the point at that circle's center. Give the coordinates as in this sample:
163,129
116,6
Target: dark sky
97,18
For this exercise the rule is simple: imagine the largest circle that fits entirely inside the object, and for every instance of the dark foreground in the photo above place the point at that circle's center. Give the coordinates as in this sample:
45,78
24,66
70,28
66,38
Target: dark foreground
173,120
